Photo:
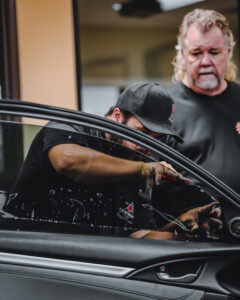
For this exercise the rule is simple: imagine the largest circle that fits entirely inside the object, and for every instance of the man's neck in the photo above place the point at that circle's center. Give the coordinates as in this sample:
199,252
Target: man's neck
198,90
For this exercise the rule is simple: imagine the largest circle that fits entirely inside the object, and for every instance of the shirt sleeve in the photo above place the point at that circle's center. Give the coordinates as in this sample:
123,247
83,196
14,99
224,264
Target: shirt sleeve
60,133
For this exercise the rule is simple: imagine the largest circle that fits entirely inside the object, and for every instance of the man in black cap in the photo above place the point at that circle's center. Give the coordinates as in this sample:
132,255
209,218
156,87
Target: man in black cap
71,172
148,108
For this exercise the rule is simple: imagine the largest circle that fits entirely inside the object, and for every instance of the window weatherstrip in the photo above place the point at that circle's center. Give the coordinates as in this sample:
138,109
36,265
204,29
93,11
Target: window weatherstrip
64,265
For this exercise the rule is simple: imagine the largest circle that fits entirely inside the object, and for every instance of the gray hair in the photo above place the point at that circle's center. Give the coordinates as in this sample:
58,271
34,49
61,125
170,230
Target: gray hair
204,20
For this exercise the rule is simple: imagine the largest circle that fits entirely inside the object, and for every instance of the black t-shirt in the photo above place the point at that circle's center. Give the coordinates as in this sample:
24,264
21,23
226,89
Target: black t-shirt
40,193
210,127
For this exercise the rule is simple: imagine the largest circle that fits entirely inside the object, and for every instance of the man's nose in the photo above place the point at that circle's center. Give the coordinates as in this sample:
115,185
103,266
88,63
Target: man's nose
206,60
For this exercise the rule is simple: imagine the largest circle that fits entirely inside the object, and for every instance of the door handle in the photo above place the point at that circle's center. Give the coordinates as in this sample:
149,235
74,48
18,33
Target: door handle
183,279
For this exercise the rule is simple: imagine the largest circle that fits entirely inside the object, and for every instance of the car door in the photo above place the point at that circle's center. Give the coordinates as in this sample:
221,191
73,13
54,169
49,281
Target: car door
54,258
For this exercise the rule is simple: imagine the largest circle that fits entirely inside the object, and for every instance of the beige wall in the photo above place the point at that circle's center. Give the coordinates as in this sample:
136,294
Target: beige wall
46,52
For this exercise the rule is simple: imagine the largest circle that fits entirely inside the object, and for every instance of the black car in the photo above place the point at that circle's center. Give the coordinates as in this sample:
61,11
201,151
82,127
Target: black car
67,247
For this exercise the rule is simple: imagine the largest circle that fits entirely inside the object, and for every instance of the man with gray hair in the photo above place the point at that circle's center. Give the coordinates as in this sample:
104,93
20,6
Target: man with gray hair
206,96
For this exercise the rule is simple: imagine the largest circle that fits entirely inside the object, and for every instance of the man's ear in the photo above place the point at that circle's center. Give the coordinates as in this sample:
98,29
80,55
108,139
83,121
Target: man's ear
229,53
117,115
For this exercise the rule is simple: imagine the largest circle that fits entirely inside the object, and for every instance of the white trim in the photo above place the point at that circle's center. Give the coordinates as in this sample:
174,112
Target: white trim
64,265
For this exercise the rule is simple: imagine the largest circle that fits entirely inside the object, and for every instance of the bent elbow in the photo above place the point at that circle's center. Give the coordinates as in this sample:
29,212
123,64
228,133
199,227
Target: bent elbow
63,165
67,161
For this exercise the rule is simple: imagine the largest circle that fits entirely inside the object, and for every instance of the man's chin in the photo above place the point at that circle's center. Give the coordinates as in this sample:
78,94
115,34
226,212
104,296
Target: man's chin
207,84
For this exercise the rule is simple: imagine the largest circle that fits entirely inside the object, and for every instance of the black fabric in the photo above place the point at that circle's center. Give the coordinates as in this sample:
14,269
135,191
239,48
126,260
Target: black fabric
208,126
41,193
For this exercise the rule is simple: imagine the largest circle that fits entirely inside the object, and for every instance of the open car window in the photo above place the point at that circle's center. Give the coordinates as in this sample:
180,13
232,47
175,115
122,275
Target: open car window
35,197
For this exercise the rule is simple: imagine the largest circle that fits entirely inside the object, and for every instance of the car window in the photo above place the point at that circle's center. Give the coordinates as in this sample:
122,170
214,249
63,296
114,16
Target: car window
34,196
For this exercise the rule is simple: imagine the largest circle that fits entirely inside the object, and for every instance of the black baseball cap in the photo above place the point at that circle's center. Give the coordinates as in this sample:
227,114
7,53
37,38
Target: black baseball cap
151,105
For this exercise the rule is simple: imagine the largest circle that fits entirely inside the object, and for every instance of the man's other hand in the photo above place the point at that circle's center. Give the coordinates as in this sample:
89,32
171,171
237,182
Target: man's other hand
202,219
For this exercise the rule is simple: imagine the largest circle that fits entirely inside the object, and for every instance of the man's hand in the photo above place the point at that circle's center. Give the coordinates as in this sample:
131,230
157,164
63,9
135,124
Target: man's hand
199,220
155,172
202,219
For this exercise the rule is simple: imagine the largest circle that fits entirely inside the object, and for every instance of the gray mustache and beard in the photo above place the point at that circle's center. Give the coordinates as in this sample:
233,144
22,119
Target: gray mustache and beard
205,81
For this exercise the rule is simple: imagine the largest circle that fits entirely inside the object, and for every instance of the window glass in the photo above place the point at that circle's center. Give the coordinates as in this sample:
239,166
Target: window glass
36,194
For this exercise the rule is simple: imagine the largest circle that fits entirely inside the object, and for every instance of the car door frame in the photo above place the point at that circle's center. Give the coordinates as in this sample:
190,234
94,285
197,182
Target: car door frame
124,266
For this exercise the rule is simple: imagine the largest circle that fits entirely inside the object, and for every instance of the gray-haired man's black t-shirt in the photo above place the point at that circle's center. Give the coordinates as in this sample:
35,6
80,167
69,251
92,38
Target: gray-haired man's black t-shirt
210,127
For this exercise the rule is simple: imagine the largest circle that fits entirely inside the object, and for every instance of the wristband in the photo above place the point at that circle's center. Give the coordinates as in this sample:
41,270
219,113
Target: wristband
143,170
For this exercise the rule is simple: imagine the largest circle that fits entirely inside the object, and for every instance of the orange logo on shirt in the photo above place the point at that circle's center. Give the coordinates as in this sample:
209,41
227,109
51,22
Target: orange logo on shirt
237,126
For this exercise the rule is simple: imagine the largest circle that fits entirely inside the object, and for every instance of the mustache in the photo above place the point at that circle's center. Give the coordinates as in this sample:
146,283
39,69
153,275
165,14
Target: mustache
206,70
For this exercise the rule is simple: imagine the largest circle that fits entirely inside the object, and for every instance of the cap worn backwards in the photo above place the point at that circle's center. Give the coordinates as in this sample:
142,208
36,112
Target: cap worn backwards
151,105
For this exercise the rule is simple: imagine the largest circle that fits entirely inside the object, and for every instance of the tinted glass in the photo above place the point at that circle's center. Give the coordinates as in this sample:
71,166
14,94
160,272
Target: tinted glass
37,195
